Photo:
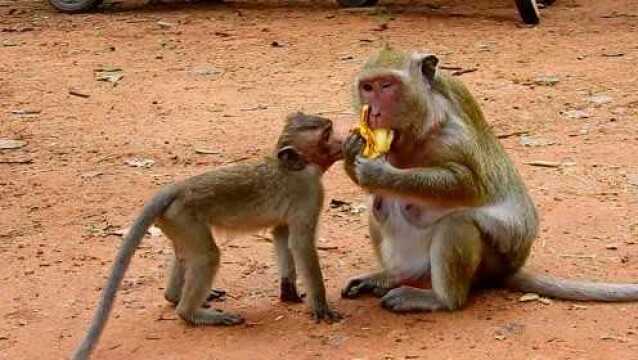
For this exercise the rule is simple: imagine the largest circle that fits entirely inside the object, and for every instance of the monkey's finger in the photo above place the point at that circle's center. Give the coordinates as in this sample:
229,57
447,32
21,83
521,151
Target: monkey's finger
356,288
353,145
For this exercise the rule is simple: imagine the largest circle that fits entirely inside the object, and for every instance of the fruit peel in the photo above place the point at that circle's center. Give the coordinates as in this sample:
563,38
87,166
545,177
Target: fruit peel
378,141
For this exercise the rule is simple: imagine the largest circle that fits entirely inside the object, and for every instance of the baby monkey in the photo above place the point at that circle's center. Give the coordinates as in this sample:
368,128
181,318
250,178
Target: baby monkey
283,192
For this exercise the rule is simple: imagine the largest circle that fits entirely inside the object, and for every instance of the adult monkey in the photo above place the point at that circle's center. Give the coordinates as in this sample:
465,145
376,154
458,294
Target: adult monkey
448,202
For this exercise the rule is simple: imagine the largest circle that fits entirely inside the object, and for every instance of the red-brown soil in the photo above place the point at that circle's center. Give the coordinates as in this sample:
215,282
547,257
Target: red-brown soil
211,79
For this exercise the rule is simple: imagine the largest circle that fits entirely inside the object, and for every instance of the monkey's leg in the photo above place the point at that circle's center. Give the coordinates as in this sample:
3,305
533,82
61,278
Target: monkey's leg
173,290
201,261
376,283
304,253
286,265
455,256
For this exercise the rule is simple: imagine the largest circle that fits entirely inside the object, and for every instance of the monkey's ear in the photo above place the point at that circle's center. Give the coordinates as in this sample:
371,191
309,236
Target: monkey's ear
428,66
291,159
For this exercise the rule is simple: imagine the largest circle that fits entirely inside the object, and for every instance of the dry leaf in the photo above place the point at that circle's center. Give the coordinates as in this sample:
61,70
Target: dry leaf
7,144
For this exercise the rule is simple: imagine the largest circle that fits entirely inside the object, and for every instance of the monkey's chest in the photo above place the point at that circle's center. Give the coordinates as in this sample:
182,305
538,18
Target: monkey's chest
406,231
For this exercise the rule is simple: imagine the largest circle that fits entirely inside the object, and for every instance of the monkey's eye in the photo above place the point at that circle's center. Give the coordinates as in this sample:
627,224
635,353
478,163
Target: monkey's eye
367,87
386,85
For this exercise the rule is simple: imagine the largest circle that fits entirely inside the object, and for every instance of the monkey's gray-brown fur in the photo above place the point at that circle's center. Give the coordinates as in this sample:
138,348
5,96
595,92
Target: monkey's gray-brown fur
448,204
283,192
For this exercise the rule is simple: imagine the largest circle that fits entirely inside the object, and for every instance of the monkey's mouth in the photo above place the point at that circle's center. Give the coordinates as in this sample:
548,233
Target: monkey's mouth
337,155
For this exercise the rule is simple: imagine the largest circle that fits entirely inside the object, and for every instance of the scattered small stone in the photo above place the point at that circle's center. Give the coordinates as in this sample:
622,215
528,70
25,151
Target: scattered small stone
279,317
9,144
276,44
91,174
154,231
600,99
140,163
527,140
611,247
613,338
109,74
207,71
152,337
577,114
632,179
529,297
512,328
26,112
4,337
546,80
255,108
545,301
165,24
613,54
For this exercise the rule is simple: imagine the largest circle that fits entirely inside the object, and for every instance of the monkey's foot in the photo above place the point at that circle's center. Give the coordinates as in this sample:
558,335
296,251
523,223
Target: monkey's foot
216,295
288,292
366,284
211,317
172,297
407,299
324,313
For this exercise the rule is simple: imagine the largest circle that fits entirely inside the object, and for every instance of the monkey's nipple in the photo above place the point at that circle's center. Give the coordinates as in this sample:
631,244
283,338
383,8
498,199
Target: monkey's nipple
378,141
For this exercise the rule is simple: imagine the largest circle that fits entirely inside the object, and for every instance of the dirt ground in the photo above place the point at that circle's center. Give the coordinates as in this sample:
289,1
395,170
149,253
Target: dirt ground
207,84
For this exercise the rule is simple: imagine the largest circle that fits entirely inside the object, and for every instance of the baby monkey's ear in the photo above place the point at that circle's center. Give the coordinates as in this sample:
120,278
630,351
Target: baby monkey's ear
291,158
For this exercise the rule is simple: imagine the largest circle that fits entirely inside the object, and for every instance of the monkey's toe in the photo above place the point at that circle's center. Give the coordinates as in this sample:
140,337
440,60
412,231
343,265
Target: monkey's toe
288,292
216,295
326,314
406,299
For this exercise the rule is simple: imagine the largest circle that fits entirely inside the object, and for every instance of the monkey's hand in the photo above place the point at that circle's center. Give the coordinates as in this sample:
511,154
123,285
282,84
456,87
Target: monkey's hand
377,284
370,173
352,147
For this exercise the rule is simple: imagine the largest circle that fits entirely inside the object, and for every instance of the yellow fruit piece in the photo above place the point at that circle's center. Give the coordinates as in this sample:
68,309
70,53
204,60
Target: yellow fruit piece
378,141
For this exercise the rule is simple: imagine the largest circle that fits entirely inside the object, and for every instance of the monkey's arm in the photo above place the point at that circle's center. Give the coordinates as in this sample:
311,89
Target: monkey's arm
451,180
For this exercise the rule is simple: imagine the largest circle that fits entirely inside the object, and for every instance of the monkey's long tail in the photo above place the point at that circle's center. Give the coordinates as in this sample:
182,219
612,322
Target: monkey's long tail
572,289
151,211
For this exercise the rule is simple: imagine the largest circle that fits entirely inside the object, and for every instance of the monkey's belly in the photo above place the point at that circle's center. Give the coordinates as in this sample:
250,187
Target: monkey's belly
407,234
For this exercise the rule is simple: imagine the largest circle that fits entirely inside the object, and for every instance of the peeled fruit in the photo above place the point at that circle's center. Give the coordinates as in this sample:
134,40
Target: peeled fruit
378,141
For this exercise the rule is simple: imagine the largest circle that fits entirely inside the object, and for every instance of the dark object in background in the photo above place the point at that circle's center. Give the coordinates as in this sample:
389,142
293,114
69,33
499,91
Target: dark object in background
528,9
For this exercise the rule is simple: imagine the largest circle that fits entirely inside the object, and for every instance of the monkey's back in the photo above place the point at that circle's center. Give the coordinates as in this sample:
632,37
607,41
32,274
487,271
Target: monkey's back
247,196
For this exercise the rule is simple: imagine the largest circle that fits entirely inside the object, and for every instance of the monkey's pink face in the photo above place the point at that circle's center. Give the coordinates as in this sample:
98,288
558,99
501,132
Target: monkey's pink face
382,94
